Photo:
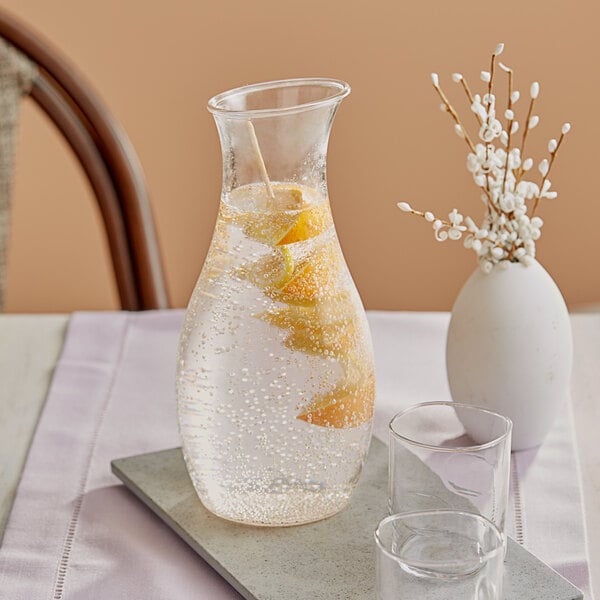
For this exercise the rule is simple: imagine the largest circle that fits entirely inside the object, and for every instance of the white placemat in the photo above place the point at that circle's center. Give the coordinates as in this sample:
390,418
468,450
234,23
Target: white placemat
75,533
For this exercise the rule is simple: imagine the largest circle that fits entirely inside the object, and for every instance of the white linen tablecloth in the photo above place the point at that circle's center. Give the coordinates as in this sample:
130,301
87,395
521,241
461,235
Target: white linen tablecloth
76,533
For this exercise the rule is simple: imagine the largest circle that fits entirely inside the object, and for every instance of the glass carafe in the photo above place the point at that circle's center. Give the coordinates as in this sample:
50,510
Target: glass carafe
275,376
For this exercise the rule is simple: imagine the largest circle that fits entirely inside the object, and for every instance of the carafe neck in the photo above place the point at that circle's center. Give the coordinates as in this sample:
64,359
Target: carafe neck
277,132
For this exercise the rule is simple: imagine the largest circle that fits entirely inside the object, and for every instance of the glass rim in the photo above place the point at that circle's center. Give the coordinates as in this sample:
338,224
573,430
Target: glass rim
343,89
439,512
471,448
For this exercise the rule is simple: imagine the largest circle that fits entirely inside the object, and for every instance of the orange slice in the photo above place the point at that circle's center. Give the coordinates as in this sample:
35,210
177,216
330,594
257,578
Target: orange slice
310,223
289,317
313,279
347,405
269,219
326,328
307,280
267,228
273,270
282,220
334,339
287,197
332,310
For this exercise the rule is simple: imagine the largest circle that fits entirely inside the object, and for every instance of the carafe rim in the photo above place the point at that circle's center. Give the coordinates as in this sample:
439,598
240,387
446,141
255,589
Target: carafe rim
217,104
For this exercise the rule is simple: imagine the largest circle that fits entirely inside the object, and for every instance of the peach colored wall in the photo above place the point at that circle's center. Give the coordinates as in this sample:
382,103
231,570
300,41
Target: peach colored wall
156,64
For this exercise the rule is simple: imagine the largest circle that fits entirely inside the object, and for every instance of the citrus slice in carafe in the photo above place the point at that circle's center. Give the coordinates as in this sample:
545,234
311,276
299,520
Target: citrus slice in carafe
327,327
349,404
293,215
273,270
314,278
309,223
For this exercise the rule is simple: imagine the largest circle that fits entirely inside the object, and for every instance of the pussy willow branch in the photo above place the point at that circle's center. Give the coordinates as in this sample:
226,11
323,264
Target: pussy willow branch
467,89
466,137
552,157
491,81
524,140
509,126
445,223
487,148
455,116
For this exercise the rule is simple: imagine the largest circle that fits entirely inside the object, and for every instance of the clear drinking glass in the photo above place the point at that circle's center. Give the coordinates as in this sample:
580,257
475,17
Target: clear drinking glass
439,555
445,455
275,375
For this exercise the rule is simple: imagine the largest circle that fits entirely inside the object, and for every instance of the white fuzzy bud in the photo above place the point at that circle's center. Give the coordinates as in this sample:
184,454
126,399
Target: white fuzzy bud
527,164
536,222
485,76
470,224
476,245
459,130
429,217
457,77
482,233
443,107
497,252
478,109
514,127
504,138
487,266
509,114
404,206
543,167
552,145
534,91
533,122
499,49
437,224
435,79
514,97
565,128
455,217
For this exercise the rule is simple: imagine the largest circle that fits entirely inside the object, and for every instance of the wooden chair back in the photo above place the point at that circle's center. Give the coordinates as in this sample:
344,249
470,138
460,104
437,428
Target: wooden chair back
108,160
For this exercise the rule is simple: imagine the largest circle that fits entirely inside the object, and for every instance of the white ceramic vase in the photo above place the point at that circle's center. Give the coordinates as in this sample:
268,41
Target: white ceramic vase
510,349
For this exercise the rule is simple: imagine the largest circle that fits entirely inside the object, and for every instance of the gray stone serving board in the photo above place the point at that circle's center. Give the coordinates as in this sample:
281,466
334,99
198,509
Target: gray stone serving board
333,559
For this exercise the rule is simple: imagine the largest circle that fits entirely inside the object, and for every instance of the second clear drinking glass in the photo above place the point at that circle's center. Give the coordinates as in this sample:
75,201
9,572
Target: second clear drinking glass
439,555
275,375
445,455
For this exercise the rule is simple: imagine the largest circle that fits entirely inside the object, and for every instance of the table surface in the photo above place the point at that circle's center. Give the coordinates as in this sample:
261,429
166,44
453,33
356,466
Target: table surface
30,346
